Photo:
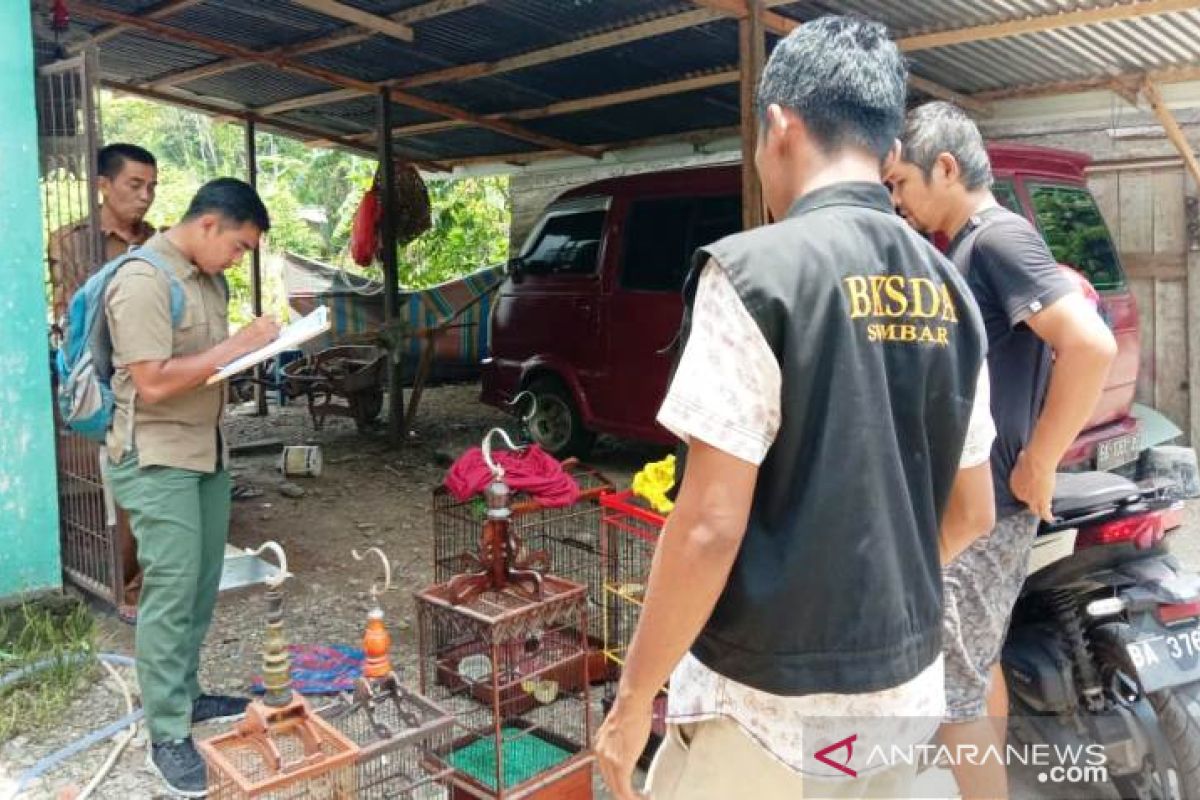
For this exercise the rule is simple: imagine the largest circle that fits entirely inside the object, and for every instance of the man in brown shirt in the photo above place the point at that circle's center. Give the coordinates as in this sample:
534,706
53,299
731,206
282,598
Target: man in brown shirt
168,457
128,178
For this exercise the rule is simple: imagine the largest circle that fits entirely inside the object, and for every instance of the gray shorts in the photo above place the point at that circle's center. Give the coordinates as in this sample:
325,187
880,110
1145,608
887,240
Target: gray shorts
981,588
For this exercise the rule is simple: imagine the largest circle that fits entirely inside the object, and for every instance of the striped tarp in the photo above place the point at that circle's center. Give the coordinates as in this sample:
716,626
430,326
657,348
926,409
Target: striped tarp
457,312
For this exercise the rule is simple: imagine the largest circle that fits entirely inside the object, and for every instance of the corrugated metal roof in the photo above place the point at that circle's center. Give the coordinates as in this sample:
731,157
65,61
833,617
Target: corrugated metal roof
260,24
258,86
1104,49
139,57
497,29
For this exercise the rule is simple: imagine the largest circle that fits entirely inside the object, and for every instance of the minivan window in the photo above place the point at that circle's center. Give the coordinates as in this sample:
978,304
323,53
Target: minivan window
1006,195
656,256
662,234
1075,231
716,218
569,244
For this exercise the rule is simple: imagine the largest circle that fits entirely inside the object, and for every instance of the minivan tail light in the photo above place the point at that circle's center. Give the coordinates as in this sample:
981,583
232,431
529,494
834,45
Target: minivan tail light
1171,613
1143,531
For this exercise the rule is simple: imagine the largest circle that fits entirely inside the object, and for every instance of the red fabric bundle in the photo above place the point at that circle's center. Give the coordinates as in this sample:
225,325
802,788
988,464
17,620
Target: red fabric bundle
364,239
530,470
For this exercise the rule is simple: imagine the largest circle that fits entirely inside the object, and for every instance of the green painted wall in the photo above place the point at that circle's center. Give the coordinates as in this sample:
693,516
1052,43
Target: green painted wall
29,557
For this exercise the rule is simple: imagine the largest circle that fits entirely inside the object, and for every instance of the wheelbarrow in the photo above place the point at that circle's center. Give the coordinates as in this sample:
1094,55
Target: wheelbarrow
344,381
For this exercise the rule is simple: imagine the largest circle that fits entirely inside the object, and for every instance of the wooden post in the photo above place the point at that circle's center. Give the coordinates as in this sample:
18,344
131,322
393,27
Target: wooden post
260,392
391,276
1172,129
751,53
1192,280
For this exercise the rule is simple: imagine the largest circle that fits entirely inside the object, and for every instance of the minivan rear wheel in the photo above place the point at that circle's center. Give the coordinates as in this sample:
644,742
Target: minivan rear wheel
556,426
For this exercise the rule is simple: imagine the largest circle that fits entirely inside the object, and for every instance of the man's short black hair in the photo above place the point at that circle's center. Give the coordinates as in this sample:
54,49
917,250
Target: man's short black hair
112,157
844,77
234,200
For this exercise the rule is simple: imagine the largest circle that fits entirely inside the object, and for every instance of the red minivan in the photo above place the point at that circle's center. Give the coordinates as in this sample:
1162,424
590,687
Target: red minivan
588,315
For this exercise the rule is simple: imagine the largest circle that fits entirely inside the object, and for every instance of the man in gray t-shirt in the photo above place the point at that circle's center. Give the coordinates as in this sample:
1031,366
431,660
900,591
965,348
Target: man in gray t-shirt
1048,355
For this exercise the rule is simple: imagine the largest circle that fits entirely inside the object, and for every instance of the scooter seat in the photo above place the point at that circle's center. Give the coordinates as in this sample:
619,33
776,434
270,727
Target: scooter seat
1078,493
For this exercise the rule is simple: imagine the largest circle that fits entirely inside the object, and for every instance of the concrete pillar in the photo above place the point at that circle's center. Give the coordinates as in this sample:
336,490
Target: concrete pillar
29,557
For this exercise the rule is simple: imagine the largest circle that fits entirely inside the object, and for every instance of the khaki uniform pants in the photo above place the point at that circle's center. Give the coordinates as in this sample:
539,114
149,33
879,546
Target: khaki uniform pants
716,760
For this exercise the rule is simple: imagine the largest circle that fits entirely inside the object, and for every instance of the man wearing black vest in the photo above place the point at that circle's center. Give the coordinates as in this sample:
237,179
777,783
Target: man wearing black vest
1048,355
831,395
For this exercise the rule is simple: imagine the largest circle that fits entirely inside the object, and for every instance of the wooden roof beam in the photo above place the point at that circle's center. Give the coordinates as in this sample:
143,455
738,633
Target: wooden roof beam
569,49
113,31
356,16
695,138
934,89
312,137
344,38
1045,22
691,84
328,76
1171,127
776,23
783,26
1107,82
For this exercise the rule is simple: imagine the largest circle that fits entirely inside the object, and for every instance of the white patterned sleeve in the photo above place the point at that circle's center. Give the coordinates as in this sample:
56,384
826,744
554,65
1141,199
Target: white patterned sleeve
726,389
981,430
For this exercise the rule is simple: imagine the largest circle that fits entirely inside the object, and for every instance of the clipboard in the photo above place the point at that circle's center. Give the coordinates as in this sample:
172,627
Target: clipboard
291,337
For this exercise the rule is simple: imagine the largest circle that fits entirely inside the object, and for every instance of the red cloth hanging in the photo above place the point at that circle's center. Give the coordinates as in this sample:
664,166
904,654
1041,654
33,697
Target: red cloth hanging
531,470
364,232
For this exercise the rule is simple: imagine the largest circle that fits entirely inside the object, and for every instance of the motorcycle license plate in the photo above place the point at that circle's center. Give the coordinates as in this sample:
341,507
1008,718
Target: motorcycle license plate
1117,452
1166,656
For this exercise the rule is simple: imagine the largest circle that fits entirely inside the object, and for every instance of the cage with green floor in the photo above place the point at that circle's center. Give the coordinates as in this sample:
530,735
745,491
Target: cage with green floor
512,670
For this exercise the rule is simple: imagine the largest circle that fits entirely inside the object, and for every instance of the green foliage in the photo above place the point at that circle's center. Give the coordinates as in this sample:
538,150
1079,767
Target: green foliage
470,216
1076,234
470,230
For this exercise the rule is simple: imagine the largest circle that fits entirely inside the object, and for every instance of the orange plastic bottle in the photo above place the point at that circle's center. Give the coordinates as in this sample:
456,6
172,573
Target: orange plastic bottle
377,644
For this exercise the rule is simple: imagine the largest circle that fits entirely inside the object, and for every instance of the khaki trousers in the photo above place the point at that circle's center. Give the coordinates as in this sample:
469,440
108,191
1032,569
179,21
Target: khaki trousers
716,760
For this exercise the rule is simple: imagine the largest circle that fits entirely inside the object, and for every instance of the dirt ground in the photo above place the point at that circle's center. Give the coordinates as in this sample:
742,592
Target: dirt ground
370,493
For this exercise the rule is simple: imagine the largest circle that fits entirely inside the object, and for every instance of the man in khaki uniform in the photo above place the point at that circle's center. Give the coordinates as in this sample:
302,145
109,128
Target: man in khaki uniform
168,456
128,178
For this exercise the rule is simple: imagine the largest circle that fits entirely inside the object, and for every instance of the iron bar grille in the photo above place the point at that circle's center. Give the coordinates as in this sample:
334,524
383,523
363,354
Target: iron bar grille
68,126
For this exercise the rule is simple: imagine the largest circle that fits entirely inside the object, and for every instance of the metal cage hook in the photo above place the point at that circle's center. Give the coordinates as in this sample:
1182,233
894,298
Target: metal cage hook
497,470
275,581
387,570
521,397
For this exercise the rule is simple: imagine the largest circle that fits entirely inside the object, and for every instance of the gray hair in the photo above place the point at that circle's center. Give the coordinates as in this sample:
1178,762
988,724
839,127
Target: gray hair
941,127
844,77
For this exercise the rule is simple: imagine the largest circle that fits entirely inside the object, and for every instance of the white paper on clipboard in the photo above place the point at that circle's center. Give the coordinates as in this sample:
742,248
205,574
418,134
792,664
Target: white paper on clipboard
291,337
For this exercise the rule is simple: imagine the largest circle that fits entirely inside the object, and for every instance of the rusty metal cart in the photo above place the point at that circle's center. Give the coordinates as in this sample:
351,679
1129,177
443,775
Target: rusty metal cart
345,381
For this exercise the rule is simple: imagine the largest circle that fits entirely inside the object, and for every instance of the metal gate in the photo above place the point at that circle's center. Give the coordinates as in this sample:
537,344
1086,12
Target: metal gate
68,138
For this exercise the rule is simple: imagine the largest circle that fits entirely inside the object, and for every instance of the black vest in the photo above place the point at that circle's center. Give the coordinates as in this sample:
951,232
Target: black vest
837,586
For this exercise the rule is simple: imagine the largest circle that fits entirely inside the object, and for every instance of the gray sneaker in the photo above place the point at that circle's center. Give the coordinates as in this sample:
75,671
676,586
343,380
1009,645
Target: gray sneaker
180,767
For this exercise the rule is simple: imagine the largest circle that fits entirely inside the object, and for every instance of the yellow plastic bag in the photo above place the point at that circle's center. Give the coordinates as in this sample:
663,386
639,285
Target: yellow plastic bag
654,481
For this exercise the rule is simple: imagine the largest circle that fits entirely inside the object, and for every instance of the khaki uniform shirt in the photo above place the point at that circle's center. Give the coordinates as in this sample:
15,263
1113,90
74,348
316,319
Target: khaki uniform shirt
184,431
72,261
